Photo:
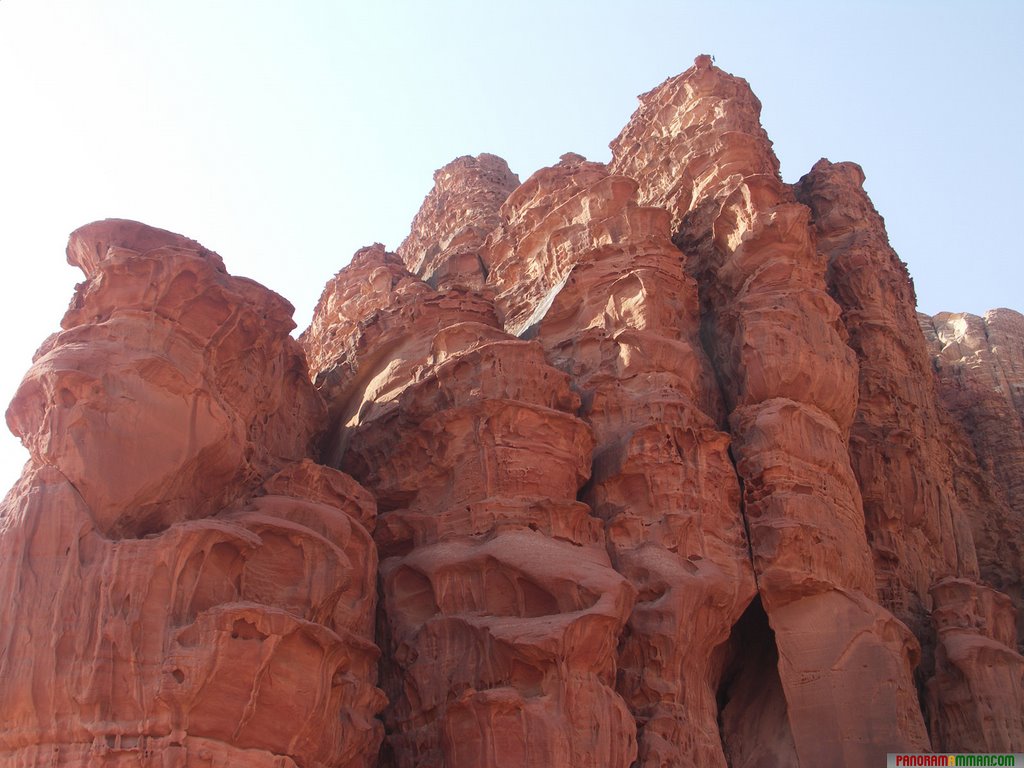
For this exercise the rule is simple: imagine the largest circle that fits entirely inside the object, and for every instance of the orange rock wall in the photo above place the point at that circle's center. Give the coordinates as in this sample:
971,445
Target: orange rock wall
790,384
579,266
979,371
501,610
638,464
899,442
181,586
443,247
907,453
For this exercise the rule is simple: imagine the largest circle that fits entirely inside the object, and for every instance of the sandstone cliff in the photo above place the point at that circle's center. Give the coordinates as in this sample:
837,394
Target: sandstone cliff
979,366
592,275
181,585
789,382
637,464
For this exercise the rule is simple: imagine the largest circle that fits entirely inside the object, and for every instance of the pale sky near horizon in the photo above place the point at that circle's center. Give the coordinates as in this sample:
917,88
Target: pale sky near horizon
285,136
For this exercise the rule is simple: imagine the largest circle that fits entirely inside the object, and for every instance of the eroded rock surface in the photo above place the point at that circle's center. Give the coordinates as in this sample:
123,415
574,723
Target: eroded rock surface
790,384
180,585
372,331
501,611
581,267
976,698
979,367
443,247
975,693
657,465
923,491
900,441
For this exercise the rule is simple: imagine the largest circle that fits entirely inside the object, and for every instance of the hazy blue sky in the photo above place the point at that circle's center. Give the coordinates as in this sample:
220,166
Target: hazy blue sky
287,135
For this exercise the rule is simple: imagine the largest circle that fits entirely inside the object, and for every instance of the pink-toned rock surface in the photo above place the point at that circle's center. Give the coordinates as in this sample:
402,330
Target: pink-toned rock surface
180,586
906,454
501,611
372,330
443,247
649,465
976,698
975,694
160,331
790,384
899,441
979,367
593,276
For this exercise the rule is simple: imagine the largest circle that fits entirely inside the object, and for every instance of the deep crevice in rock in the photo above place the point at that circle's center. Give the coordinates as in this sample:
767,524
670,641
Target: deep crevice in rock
752,716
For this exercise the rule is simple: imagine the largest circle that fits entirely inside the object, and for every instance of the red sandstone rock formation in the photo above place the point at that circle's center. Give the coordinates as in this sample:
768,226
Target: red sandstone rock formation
979,365
899,441
593,276
371,331
444,245
906,455
790,383
501,608
662,470
976,698
179,586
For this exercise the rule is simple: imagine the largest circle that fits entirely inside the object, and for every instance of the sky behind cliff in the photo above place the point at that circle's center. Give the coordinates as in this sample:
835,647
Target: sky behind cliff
287,135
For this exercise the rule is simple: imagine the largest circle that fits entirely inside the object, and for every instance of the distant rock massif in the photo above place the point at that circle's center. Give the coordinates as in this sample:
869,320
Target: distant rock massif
650,463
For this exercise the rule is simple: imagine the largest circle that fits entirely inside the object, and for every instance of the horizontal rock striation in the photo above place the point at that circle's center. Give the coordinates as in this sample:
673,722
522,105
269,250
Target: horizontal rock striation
899,439
578,265
501,610
790,384
443,247
645,463
181,586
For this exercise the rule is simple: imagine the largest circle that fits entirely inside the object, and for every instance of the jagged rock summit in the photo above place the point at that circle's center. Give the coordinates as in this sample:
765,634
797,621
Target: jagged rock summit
647,463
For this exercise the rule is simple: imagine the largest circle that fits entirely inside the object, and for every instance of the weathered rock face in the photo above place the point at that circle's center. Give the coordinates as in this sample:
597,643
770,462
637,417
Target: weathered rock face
180,586
979,365
444,245
899,441
372,330
906,454
593,276
976,698
658,466
159,330
789,380
501,608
